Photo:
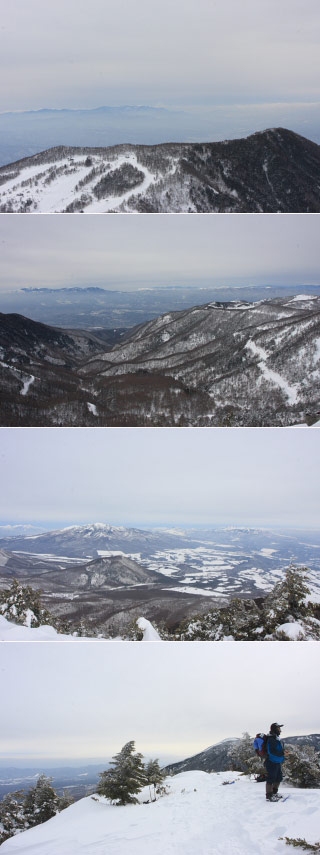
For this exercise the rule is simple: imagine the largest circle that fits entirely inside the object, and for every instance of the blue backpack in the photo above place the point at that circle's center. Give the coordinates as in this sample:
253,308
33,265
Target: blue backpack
260,744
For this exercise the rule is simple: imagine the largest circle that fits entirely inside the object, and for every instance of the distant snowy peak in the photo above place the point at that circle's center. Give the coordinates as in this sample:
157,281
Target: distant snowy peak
18,529
97,540
271,171
93,529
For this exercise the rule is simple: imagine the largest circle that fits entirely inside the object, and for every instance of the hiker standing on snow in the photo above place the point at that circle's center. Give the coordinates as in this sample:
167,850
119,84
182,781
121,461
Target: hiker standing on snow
273,762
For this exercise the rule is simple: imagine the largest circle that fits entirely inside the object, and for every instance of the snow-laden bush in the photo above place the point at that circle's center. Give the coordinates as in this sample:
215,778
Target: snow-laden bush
20,811
302,767
22,604
12,819
41,802
243,758
287,613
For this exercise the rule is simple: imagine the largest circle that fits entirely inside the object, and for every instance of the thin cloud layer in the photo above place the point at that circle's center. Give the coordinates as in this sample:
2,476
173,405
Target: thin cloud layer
171,698
58,251
126,476
192,51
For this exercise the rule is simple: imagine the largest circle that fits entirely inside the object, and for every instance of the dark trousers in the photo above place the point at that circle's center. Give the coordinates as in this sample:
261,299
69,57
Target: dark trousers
274,776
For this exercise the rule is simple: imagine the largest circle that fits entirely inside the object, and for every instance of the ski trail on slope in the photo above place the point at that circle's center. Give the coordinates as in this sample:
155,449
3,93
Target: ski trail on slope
265,169
26,385
17,373
111,202
273,376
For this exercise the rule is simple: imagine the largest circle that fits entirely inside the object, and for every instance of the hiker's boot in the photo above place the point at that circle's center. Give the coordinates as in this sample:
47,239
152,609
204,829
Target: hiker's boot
269,792
275,792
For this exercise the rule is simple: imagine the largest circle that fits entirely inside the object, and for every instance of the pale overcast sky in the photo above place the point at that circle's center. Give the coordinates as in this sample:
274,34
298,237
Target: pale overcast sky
80,54
136,476
72,700
135,251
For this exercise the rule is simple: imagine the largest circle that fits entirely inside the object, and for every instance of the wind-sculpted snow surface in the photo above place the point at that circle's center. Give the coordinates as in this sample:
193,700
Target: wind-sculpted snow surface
198,815
234,363
274,170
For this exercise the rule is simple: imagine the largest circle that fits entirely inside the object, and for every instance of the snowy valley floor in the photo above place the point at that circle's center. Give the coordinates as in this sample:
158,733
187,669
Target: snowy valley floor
199,816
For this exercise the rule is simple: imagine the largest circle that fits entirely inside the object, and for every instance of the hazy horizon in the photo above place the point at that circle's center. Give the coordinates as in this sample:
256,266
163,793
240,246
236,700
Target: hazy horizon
142,524
214,53
87,703
161,474
57,251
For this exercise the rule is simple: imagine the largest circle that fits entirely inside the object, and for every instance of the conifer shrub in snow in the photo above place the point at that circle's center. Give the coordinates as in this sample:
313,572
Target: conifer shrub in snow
12,819
22,604
288,606
41,802
243,757
288,600
302,767
126,779
301,843
20,811
154,777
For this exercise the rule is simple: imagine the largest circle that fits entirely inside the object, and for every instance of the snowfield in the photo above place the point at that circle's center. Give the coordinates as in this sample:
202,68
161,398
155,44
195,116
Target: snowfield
198,816
10,631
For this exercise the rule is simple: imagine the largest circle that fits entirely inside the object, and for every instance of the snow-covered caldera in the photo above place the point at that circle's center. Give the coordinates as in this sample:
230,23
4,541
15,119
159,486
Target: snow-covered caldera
198,815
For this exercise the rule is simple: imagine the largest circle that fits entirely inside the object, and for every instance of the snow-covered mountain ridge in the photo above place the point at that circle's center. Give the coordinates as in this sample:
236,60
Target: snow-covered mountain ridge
198,814
269,171
216,757
237,363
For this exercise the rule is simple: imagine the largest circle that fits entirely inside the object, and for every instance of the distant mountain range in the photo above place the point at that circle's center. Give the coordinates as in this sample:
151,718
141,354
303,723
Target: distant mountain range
26,133
111,575
97,308
271,171
236,363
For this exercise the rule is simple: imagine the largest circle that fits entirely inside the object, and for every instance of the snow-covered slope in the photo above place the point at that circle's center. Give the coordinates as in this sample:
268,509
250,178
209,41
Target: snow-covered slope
250,362
10,631
238,363
275,170
199,816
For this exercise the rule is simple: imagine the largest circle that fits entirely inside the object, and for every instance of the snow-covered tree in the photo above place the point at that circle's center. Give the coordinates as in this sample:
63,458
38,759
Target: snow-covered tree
243,757
12,818
20,811
22,604
41,802
245,620
302,767
288,600
127,777
154,776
